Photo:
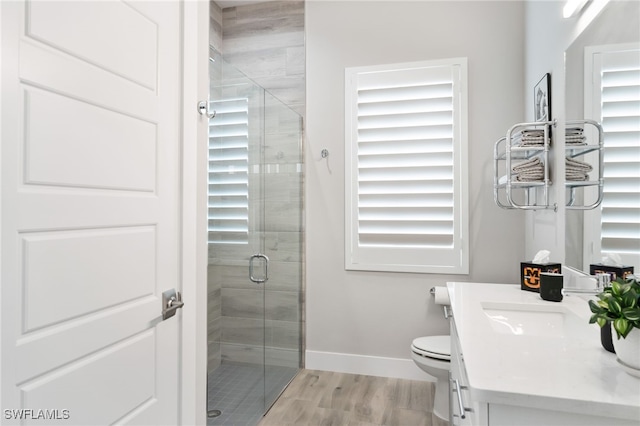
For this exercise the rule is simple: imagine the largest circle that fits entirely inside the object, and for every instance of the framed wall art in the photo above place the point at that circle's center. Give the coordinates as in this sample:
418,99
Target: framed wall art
542,99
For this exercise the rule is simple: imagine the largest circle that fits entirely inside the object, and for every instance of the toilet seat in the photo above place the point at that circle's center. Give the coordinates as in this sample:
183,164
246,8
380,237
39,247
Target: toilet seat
437,347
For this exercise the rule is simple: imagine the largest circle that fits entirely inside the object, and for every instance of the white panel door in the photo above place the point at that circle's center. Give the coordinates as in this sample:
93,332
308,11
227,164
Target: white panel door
91,109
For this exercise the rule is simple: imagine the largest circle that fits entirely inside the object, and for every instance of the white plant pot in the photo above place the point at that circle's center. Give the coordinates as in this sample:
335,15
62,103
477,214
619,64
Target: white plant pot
628,349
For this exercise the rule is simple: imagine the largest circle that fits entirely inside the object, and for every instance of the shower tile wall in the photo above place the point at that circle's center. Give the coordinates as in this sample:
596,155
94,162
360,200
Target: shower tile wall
242,333
265,42
215,26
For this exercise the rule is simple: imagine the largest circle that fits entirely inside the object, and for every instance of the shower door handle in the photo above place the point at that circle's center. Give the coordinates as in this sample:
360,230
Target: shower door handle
266,268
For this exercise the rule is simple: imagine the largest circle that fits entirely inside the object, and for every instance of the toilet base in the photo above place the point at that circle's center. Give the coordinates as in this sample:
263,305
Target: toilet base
431,355
441,400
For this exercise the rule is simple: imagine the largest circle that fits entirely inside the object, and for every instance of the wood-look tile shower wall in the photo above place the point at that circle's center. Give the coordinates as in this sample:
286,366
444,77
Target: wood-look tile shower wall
266,42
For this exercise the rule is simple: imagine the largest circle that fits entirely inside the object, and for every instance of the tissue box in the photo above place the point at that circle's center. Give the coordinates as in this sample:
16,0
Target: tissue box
614,271
530,274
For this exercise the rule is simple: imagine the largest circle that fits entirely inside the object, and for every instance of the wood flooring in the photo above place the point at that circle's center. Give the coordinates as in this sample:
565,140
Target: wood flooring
329,398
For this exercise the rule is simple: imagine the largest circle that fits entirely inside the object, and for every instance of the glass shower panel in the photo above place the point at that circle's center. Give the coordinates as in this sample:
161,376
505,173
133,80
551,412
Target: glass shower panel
255,211
282,176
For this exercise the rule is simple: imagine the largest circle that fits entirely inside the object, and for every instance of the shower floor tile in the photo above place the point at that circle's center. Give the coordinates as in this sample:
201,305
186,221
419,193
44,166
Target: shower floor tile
237,390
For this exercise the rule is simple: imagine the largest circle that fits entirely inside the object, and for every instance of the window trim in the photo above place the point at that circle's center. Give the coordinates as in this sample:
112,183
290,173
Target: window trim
410,259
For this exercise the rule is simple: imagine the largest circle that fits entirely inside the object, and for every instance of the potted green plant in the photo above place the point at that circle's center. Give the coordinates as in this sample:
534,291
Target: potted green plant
619,305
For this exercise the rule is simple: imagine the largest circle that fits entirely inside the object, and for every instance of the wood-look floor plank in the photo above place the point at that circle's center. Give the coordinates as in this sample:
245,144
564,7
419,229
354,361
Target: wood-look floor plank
416,396
290,412
329,417
337,399
369,400
338,395
403,416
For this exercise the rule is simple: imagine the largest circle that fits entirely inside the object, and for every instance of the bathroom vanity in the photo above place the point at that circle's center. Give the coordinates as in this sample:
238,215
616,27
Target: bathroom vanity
519,360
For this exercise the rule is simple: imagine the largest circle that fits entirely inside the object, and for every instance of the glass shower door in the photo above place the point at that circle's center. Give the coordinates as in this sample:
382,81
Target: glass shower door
254,276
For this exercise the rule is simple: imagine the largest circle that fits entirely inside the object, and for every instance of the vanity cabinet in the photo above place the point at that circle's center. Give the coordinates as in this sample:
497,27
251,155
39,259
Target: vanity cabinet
463,411
542,366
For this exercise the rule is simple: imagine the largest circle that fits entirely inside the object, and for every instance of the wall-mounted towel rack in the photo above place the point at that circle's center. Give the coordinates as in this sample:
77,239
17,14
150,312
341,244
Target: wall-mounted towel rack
580,142
521,167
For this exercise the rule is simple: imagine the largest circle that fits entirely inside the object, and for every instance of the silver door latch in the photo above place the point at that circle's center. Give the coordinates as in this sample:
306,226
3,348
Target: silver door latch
171,302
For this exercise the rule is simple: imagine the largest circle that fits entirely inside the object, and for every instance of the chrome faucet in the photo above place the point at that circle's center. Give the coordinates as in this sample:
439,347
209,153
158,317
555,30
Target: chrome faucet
602,281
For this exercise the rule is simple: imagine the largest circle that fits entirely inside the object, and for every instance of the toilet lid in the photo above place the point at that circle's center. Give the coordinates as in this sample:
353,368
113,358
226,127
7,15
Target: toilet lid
438,347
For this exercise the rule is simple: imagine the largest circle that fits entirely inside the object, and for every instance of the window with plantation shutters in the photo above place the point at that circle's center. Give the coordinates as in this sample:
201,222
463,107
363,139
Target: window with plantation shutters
228,206
405,182
612,96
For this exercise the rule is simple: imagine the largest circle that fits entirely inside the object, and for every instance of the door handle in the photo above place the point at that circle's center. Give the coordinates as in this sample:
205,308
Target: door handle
266,268
171,302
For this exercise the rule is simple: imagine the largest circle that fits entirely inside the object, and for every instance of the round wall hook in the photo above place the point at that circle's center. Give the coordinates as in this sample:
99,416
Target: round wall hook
324,153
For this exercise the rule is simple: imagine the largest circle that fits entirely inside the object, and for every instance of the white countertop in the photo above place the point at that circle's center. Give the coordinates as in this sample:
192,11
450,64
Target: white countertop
571,373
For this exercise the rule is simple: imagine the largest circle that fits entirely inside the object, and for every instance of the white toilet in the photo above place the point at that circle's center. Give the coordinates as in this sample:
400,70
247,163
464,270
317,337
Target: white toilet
433,354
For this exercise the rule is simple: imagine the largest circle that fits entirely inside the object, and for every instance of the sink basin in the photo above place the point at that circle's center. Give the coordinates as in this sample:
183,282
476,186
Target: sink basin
531,319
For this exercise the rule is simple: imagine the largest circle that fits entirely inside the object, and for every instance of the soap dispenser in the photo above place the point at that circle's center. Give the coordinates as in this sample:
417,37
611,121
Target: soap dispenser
606,335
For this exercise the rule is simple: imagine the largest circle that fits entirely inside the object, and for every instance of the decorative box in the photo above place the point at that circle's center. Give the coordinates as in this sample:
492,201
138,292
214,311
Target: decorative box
614,271
530,274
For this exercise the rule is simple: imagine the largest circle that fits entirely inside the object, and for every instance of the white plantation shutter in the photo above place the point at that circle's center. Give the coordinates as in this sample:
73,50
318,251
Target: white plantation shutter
229,172
406,143
616,104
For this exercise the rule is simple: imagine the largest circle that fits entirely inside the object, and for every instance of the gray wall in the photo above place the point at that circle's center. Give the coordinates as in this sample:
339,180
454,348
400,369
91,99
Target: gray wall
370,314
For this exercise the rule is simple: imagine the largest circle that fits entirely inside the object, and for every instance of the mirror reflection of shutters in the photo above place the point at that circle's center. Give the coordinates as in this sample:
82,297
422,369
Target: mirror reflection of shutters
620,117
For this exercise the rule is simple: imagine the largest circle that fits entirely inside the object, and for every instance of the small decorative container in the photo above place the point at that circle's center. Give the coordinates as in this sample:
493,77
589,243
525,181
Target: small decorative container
613,271
530,274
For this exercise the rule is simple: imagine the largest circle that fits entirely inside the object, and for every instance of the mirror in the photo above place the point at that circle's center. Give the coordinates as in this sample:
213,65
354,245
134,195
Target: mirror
618,23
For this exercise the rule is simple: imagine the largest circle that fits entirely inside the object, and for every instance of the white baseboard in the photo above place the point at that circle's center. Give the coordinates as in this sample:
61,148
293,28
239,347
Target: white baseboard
363,364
